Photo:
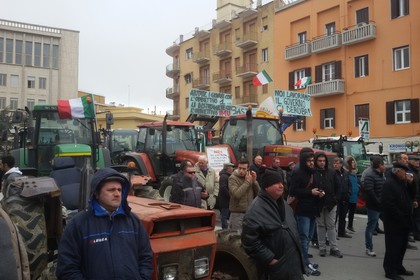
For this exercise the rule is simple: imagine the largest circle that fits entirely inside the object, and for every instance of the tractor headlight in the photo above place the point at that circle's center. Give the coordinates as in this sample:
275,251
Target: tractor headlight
169,272
201,267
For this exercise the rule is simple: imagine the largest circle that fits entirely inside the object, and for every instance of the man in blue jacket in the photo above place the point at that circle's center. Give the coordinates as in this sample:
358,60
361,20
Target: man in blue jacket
106,241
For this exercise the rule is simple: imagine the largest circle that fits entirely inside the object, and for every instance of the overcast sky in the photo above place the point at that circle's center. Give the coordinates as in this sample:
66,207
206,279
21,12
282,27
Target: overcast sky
122,42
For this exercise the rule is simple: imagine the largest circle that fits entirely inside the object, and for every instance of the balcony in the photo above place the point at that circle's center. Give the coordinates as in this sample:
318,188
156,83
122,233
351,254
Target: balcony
201,33
326,43
172,70
222,77
223,49
359,33
327,88
246,71
172,92
247,40
201,83
297,51
245,100
201,57
172,50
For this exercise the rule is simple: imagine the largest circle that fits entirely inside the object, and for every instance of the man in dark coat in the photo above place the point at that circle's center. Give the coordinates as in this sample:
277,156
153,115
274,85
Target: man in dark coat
396,205
106,241
270,234
414,165
224,195
187,190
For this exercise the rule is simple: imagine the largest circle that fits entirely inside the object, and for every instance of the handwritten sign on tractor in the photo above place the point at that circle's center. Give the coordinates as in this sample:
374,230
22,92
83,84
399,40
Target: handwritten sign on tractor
203,102
293,103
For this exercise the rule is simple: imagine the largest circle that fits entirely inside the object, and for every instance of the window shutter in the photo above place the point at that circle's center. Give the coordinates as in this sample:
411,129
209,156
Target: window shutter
356,67
367,65
304,123
322,116
291,80
333,117
318,73
394,8
390,113
414,107
308,72
294,126
337,70
406,7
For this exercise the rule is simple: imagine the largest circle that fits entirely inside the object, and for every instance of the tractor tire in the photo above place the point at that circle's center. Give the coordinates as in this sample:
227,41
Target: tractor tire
232,262
28,215
165,188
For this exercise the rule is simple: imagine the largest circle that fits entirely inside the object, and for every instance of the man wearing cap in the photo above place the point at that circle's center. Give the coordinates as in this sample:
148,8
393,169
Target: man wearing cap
270,233
414,166
106,241
396,205
224,195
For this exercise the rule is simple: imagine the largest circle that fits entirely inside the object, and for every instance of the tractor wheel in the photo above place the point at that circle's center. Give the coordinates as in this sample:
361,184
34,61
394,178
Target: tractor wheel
232,262
165,188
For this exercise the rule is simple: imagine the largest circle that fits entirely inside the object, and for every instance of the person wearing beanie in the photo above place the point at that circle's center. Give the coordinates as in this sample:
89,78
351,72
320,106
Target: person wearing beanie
270,234
106,241
397,218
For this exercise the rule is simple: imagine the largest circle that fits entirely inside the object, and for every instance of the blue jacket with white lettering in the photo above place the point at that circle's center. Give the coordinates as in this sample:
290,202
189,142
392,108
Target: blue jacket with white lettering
98,245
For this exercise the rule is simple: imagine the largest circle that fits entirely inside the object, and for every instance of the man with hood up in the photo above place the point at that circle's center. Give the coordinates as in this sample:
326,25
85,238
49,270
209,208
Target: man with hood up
7,165
105,241
326,180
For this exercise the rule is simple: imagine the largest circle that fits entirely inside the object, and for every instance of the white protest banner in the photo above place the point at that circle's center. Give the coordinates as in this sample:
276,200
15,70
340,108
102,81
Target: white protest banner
293,103
217,156
203,102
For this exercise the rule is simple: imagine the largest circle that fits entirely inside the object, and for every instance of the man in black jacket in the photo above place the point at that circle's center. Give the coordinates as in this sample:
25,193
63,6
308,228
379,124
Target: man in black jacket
343,196
224,195
270,234
396,205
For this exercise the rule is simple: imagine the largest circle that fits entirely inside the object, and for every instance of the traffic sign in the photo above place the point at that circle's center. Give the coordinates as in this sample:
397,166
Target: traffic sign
364,129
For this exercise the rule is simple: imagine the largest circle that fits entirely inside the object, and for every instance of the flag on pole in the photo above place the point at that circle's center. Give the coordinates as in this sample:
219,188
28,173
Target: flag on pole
78,108
303,82
261,78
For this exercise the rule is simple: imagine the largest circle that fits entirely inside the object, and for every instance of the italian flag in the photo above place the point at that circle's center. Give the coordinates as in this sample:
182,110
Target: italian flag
261,78
303,82
78,108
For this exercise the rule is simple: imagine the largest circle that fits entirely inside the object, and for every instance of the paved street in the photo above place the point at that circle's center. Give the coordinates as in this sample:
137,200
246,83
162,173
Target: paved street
355,264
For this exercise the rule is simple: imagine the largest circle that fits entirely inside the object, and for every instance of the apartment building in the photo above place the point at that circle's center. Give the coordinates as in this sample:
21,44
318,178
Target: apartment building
38,64
363,57
224,57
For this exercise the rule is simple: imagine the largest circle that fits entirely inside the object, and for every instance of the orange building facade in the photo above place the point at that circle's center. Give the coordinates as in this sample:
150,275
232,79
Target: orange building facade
363,58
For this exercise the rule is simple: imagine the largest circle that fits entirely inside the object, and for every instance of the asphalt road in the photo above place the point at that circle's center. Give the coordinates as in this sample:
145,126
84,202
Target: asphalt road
356,265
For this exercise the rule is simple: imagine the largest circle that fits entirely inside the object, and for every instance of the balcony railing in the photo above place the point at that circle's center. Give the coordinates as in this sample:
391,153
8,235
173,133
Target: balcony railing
223,49
201,57
222,77
247,40
172,92
326,43
247,70
201,83
297,51
244,100
173,49
359,33
172,70
327,88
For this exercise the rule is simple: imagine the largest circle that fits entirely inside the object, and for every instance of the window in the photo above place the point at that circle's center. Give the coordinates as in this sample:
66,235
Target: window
18,52
400,8
328,71
300,124
402,111
55,57
237,34
28,53
362,16
361,66
14,81
264,55
9,50
189,54
46,56
401,58
31,82
37,55
265,88
2,103
237,92
30,103
188,78
302,37
3,80
1,49
13,103
42,83
330,29
361,112
296,75
327,118
187,102
264,23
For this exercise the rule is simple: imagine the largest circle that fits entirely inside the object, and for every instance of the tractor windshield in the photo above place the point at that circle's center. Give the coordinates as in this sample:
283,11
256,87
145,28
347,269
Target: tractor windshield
355,149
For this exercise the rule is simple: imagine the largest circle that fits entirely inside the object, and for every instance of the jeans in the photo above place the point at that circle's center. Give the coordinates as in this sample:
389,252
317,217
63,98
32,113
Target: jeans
373,218
306,227
224,217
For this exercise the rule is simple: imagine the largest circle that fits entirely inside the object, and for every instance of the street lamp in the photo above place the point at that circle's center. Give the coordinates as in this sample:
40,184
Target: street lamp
412,144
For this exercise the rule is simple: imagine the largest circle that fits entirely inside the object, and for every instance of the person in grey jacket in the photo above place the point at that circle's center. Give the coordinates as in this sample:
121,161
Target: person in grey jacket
270,234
